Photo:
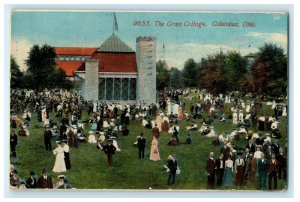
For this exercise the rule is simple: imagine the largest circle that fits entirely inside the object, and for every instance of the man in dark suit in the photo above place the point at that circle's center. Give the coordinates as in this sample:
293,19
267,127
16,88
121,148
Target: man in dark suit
172,166
273,171
45,181
251,146
47,138
141,143
262,172
109,150
210,171
13,144
31,182
220,163
282,160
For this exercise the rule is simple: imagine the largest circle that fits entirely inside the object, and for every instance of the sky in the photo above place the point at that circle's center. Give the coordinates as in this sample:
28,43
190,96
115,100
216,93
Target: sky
176,42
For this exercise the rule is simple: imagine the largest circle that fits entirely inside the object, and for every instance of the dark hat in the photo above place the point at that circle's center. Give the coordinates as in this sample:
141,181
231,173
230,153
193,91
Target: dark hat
31,173
15,172
65,141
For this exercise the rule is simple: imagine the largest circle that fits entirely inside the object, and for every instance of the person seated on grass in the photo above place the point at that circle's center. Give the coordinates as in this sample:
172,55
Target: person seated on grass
205,129
125,131
92,138
192,126
173,141
188,139
62,183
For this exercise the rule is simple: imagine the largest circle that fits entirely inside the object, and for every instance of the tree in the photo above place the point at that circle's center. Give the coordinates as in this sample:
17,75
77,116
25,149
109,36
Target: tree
235,70
162,75
16,76
42,71
269,71
190,73
211,77
176,78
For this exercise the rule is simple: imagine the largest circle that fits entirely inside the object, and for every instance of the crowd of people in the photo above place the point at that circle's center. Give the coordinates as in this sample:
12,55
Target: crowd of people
109,120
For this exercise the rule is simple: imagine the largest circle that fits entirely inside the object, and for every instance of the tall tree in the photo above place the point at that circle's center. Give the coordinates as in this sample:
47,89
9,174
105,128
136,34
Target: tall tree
162,75
269,71
190,73
16,76
176,78
212,77
235,70
42,71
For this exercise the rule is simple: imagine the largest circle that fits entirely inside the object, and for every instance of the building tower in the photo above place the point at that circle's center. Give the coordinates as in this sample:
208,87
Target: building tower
146,66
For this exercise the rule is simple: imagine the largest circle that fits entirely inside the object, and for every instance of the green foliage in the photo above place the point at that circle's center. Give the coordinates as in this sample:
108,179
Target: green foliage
162,75
176,78
269,71
16,76
190,73
221,73
235,70
42,71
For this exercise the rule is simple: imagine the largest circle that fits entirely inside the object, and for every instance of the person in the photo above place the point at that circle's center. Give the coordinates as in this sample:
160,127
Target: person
220,163
228,172
188,139
47,138
172,168
15,180
175,134
282,160
273,171
239,170
13,144
92,138
155,131
141,143
31,182
250,169
154,152
109,150
60,165
125,131
251,146
66,149
210,171
262,172
45,181
62,183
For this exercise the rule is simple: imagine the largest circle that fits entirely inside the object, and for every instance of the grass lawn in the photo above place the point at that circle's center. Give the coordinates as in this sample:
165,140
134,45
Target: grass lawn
90,169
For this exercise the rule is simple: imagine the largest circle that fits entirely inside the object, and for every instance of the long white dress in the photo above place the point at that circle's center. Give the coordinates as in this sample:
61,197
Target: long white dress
60,165
234,118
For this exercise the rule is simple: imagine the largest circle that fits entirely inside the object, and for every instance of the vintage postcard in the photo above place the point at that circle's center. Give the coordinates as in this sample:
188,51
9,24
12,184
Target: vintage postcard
110,100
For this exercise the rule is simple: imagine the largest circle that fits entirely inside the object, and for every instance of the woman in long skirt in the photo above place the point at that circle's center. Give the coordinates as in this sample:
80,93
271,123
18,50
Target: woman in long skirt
60,165
228,172
154,153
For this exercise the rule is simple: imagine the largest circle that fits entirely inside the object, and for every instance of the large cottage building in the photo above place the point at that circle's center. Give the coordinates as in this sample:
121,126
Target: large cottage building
114,71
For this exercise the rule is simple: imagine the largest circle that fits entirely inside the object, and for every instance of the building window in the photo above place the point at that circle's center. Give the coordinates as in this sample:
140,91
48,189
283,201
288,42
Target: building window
109,88
117,89
132,89
125,89
101,89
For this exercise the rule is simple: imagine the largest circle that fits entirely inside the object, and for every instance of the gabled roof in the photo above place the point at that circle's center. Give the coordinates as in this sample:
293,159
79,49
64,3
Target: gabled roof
75,51
114,44
116,62
69,67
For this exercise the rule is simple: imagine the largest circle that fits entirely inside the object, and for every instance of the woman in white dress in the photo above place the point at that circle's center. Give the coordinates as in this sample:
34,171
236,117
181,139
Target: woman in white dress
92,138
60,165
234,118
